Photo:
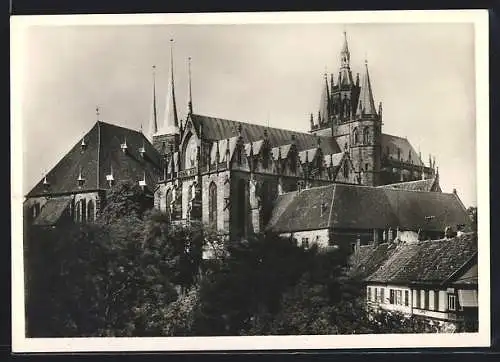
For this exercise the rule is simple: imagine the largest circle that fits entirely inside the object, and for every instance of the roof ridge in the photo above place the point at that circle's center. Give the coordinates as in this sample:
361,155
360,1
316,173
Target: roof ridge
407,182
262,125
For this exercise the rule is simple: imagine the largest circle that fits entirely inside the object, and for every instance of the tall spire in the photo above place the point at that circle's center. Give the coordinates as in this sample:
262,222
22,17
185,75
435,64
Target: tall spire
345,56
190,96
324,105
366,105
345,76
171,122
153,122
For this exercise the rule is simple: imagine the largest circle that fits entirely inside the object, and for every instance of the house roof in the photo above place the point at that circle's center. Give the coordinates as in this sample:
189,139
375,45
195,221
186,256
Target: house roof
102,153
219,128
302,210
391,144
424,262
363,207
52,211
431,184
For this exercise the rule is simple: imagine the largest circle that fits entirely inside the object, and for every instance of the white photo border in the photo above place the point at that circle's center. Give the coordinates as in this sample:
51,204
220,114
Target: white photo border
480,339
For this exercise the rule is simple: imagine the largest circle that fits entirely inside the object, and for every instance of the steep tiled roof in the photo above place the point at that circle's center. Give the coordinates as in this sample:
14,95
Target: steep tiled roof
419,185
103,146
363,207
367,259
426,262
218,129
302,210
393,143
52,211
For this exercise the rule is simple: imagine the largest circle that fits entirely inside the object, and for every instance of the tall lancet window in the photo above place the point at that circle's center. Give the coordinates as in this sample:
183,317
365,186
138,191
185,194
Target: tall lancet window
91,211
77,212
83,205
355,135
366,135
212,205
168,201
190,153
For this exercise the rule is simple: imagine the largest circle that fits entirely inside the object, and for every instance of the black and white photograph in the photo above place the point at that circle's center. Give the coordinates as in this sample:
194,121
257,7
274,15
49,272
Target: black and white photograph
264,181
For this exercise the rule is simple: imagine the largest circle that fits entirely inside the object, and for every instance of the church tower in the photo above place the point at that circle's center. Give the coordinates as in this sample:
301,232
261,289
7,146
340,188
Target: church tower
168,136
338,100
365,134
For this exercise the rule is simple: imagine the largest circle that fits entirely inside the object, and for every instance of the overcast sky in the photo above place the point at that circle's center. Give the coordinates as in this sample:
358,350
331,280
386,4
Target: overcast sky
423,73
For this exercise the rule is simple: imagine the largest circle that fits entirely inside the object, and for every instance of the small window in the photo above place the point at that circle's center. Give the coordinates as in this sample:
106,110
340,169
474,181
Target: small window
399,300
407,298
305,242
369,293
391,296
376,294
436,300
452,302
366,167
382,290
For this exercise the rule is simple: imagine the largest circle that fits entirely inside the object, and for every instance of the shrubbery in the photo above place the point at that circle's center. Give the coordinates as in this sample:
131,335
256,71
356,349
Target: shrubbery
133,274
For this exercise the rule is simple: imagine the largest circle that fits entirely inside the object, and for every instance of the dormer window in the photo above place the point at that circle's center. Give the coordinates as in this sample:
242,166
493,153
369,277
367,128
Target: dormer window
142,183
83,145
46,183
80,179
142,150
110,178
124,146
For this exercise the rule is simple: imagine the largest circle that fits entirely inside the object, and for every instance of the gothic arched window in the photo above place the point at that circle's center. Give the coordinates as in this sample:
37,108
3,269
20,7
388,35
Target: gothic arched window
212,205
77,212
91,211
168,201
265,156
366,135
83,204
346,169
355,135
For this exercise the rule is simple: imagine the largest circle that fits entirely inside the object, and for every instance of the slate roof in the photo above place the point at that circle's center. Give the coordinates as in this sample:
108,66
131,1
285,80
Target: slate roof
392,143
364,207
425,262
104,144
428,185
219,128
52,211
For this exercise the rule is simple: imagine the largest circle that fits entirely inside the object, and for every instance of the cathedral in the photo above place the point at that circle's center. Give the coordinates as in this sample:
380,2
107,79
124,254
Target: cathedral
228,174
236,177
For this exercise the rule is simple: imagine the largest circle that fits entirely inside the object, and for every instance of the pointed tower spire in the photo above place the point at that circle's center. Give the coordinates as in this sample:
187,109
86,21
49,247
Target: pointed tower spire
345,56
345,75
190,96
153,122
366,105
171,122
324,105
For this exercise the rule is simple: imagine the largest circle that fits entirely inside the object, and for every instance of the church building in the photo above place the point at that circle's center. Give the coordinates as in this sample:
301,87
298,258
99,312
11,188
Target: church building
230,175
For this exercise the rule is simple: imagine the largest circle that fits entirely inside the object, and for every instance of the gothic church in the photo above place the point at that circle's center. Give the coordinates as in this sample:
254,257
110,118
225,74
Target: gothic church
229,174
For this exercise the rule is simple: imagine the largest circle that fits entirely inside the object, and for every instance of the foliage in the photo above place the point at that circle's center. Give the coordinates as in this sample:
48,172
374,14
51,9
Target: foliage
133,273
472,211
125,199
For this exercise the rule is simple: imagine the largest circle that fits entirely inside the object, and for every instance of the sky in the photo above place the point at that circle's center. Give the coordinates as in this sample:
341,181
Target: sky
266,74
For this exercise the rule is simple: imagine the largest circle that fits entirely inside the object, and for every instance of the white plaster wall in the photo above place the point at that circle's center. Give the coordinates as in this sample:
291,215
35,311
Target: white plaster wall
319,237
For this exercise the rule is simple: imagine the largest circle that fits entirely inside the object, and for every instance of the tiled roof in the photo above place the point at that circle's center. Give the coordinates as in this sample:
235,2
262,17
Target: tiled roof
469,277
393,143
103,144
52,211
426,262
419,185
363,207
218,129
367,259
302,210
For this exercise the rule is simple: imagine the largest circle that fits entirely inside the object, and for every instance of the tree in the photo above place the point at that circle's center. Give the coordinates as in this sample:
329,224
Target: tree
125,199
